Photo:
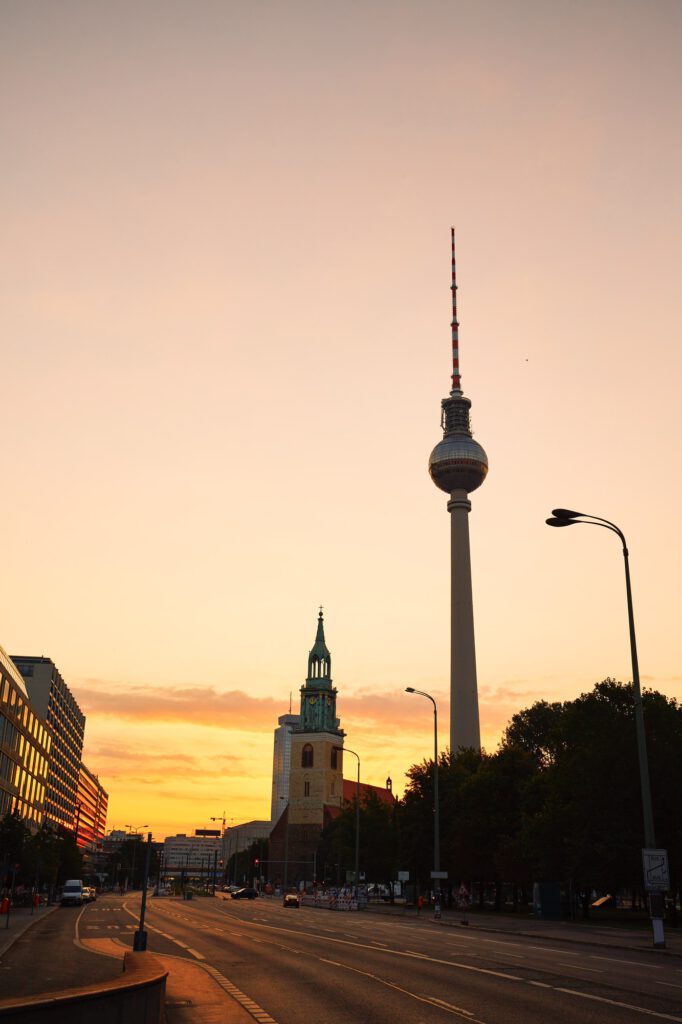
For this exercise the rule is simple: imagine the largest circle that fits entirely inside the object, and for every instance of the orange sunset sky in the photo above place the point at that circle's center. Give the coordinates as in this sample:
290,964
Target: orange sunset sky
225,337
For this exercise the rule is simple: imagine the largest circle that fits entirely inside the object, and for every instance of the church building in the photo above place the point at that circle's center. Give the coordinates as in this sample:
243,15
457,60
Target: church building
317,790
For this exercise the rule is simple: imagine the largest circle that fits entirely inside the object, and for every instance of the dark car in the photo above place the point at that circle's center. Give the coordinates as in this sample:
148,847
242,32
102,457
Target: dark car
244,894
291,900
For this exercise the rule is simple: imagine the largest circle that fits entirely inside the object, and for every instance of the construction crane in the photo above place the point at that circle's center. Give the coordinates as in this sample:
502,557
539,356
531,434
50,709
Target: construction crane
223,819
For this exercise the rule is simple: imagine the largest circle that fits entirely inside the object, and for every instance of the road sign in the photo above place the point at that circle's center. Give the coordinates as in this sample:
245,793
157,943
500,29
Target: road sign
656,873
439,874
403,876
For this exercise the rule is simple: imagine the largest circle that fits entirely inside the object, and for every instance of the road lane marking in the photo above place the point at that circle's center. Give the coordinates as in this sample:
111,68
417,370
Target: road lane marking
630,963
451,1006
256,1011
551,949
623,1006
668,984
539,984
579,967
429,1000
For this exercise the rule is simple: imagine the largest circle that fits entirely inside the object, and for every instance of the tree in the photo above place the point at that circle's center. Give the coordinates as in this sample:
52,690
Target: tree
13,835
583,814
378,852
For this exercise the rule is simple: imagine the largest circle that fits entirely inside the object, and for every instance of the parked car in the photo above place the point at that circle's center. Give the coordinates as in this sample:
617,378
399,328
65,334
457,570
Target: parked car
291,899
72,893
245,894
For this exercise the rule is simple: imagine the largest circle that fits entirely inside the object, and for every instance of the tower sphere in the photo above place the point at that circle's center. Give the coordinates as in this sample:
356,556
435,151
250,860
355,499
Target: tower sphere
458,463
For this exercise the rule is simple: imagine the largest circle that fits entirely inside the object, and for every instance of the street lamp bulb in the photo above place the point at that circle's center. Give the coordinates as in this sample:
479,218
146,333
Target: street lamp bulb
566,513
409,689
561,522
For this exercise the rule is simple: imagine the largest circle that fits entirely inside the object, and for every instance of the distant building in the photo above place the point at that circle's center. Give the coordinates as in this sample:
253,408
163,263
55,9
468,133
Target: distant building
236,841
91,811
55,703
25,749
193,855
281,764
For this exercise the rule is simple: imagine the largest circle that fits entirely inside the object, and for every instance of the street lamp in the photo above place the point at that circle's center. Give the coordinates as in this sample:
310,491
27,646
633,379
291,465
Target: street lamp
566,517
137,836
357,820
286,844
436,813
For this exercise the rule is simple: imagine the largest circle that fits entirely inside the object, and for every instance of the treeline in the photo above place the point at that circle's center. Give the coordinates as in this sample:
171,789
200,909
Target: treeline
559,801
36,861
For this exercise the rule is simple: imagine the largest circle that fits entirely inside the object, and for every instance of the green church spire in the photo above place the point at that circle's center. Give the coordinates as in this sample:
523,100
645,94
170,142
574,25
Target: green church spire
318,696
319,659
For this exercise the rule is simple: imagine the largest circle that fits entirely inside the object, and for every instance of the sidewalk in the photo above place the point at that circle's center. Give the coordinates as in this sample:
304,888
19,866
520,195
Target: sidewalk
15,923
193,996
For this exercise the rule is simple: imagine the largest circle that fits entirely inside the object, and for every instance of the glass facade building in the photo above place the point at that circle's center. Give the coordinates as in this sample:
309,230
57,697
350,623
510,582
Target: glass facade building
53,700
91,811
25,749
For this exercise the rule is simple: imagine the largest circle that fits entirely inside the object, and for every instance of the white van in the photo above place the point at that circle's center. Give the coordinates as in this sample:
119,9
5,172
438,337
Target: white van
73,892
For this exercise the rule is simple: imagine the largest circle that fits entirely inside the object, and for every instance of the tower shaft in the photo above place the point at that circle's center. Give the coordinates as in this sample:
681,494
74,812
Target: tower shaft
464,724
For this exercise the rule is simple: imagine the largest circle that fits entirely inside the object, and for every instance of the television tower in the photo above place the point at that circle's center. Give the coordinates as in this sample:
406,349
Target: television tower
458,465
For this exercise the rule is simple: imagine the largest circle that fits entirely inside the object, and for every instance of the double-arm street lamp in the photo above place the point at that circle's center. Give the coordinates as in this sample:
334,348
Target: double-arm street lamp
436,811
357,821
566,517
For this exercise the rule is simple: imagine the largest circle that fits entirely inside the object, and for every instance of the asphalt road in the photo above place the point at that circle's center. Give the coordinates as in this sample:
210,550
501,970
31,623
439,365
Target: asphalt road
347,968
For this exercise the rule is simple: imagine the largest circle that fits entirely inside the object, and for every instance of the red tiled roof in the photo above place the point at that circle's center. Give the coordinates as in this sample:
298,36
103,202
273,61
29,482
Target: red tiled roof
350,788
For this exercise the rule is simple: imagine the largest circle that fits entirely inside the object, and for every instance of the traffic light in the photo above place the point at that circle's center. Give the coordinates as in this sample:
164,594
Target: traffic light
256,862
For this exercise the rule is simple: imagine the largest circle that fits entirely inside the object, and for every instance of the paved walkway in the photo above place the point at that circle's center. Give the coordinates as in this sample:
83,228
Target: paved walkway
194,994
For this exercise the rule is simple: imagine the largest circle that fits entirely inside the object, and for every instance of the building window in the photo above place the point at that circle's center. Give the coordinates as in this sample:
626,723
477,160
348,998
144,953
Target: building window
306,789
335,757
307,756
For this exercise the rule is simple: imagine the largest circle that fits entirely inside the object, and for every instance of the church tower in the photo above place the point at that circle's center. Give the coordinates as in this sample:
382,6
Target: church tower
315,775
317,742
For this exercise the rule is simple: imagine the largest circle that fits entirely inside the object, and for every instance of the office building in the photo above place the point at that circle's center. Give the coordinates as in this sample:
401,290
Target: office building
55,703
25,749
91,811
281,763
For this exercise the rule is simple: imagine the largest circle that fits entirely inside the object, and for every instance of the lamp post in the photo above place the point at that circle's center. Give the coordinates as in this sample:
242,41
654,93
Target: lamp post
566,517
136,831
140,936
357,821
286,843
436,813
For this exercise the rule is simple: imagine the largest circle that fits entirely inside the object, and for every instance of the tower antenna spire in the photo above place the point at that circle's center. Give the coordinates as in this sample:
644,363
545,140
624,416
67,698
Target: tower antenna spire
456,377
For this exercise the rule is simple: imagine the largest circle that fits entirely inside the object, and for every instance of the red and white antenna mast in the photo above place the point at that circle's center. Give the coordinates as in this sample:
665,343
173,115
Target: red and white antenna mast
456,378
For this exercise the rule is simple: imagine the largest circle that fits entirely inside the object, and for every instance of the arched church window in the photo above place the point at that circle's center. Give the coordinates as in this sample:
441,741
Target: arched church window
307,756
335,757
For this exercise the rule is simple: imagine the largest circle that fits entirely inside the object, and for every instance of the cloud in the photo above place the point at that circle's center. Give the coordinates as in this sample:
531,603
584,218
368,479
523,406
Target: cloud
200,705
